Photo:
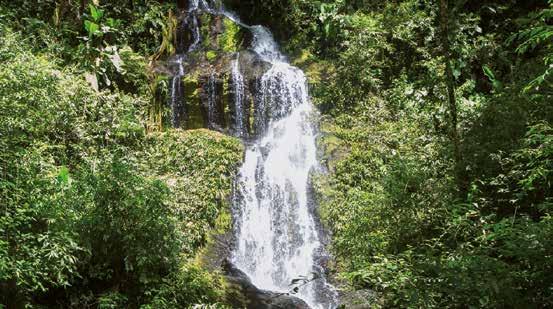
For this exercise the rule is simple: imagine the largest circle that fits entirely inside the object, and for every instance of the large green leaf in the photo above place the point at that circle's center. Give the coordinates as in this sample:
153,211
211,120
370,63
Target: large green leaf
91,27
96,13
497,85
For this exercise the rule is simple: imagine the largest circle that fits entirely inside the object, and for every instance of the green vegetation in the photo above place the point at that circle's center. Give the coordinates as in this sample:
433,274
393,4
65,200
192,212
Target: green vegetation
413,221
230,39
437,129
95,211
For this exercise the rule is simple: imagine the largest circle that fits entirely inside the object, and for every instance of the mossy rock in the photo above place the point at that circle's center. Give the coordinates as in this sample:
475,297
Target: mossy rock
333,148
231,39
192,87
222,41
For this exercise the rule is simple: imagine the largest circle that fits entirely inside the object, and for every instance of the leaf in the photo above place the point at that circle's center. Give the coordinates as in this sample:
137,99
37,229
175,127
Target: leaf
497,85
96,13
327,29
113,23
91,27
63,175
456,73
489,73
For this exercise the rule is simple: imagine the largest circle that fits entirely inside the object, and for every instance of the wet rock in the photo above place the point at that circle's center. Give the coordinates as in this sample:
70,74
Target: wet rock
213,104
243,294
205,98
357,299
253,65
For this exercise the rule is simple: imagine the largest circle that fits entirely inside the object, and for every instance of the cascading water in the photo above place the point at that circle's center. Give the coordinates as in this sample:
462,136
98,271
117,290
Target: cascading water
278,242
178,106
277,236
211,105
177,93
265,45
239,90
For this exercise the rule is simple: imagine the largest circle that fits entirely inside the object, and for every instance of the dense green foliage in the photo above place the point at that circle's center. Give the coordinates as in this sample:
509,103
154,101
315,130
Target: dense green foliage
98,211
405,223
95,211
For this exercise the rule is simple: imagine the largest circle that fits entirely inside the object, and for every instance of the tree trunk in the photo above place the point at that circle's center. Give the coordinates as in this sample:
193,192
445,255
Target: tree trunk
450,83
82,8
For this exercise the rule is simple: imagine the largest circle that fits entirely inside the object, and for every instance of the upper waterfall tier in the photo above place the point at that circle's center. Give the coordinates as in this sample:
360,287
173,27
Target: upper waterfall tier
216,75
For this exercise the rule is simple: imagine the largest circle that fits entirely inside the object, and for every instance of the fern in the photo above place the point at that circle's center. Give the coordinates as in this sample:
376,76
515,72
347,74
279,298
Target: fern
538,36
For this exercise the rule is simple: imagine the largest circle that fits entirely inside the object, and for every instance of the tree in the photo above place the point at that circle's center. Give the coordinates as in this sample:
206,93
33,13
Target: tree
450,83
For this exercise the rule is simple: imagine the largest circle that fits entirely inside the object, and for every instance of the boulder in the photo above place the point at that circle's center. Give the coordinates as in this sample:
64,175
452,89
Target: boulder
242,293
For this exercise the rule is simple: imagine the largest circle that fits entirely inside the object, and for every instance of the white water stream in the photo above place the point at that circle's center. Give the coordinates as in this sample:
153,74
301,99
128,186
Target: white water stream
239,94
278,239
278,242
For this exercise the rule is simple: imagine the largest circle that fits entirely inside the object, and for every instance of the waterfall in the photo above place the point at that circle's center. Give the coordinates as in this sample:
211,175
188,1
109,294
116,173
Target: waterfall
177,104
211,102
265,45
178,108
239,128
204,5
278,241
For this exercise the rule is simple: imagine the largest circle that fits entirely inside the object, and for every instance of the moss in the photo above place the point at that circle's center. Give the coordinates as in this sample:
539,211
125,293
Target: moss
229,41
234,294
192,97
315,69
208,256
211,55
223,223
334,148
206,21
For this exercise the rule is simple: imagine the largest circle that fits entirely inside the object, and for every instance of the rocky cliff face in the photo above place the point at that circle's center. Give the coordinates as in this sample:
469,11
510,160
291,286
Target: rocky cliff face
213,77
